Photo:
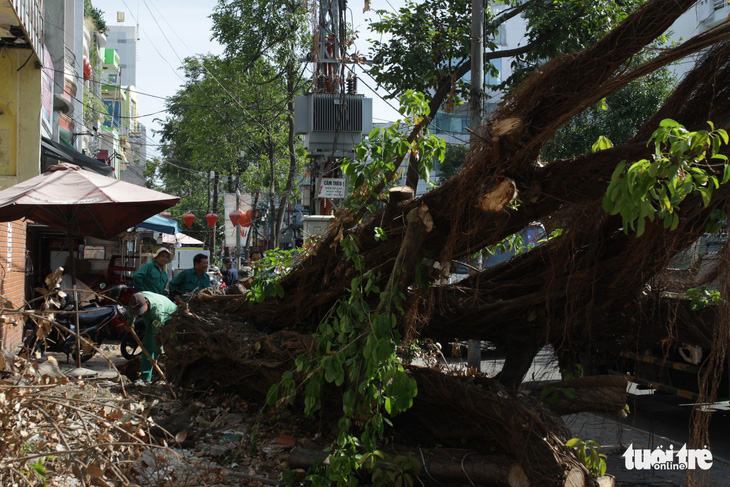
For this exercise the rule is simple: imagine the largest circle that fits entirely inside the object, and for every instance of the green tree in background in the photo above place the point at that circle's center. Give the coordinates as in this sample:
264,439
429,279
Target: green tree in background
278,34
617,117
224,126
429,43
428,46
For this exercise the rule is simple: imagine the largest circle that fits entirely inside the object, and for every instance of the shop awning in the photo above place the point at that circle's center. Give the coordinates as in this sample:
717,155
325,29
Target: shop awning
179,238
59,152
159,223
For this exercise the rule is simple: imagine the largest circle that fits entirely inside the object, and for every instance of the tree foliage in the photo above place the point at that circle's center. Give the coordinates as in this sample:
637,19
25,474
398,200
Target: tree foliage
429,41
224,121
617,117
275,33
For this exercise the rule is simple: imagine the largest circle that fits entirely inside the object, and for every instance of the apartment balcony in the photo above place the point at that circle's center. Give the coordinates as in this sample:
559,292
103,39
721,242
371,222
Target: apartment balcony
30,18
712,12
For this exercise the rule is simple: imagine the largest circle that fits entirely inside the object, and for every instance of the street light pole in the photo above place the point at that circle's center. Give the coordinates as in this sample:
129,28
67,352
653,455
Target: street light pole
476,102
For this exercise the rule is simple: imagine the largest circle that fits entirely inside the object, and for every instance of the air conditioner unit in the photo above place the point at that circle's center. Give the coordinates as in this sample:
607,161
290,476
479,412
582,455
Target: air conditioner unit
333,123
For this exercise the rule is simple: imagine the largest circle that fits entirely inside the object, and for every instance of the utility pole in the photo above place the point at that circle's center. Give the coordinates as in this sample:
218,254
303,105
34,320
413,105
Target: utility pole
476,100
332,117
476,118
328,79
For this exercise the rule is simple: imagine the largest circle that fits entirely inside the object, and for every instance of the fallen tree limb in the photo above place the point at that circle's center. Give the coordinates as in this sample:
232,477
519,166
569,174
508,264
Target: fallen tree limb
597,394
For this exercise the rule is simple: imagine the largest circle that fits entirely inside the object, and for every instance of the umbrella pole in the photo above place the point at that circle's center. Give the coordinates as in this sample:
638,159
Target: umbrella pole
72,258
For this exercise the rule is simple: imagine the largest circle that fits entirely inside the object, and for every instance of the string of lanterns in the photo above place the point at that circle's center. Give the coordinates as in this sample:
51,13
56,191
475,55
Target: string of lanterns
238,217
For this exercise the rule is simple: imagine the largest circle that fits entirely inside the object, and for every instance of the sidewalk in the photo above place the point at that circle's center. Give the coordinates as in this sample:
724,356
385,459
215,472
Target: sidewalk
615,437
96,367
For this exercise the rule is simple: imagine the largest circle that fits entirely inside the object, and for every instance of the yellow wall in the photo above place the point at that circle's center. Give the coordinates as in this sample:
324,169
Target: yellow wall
20,120
8,116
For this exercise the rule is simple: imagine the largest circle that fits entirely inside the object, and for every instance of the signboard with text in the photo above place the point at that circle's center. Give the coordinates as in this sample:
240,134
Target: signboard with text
333,188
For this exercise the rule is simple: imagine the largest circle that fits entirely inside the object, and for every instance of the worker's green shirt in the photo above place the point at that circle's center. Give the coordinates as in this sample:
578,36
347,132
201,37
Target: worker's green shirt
188,283
150,277
159,311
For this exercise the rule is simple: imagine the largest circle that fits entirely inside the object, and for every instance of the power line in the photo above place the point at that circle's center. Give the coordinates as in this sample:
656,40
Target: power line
153,44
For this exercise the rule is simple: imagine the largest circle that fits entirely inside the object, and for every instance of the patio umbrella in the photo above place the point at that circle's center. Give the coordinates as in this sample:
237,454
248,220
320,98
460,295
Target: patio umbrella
82,203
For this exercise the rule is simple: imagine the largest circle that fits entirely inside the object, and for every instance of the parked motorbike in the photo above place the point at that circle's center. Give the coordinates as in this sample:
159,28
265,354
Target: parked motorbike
97,322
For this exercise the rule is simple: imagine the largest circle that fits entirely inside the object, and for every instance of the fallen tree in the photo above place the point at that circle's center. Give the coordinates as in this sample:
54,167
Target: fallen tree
357,292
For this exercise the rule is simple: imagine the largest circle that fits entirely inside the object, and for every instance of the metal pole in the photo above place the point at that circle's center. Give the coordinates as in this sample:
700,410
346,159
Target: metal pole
72,262
476,101
237,229
476,106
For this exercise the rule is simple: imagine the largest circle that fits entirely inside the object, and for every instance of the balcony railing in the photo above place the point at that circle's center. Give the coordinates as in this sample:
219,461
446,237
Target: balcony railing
30,14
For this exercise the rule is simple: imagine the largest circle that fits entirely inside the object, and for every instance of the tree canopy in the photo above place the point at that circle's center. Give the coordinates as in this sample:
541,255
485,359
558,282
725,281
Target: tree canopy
224,122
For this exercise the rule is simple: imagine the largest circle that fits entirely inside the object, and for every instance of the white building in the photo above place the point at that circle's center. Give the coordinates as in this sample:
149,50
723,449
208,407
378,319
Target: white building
123,39
704,15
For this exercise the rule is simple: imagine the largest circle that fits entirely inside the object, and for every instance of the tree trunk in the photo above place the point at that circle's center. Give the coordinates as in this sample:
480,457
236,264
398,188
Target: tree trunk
291,145
273,229
450,465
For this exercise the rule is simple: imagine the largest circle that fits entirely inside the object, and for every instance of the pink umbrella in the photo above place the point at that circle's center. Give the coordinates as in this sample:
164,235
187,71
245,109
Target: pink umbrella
81,203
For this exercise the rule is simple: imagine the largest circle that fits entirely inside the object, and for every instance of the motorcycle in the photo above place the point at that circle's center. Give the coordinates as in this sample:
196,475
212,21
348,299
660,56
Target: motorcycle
97,322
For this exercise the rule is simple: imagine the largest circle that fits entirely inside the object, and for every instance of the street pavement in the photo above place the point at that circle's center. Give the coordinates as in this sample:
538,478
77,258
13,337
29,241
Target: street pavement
615,436
649,417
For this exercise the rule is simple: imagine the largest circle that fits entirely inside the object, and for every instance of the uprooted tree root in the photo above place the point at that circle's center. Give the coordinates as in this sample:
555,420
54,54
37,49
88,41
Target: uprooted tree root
211,351
228,354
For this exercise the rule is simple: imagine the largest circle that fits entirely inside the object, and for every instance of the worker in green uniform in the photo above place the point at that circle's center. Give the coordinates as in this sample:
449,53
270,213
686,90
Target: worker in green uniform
152,275
155,309
190,281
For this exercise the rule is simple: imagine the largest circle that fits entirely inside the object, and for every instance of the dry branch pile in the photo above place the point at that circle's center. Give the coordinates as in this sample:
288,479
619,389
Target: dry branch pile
73,433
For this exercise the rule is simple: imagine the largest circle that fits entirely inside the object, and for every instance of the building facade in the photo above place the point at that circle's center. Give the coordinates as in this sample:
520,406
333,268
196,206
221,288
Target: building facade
21,34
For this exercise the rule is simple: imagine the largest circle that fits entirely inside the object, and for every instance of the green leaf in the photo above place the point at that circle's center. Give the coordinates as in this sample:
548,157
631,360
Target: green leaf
723,134
618,171
668,122
573,442
675,222
602,143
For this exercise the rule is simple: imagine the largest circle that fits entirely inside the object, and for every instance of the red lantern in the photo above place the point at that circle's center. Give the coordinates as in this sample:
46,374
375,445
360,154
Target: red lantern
189,218
212,218
87,69
245,220
252,215
166,214
234,216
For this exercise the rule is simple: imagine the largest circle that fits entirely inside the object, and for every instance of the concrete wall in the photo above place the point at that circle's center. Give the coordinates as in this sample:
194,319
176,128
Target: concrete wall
20,136
20,117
